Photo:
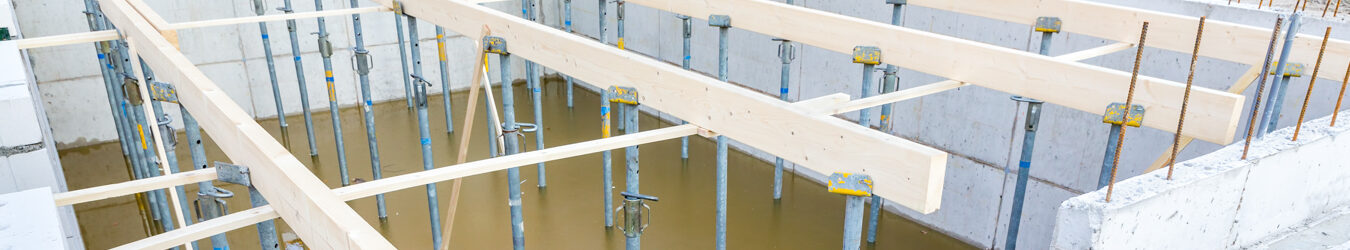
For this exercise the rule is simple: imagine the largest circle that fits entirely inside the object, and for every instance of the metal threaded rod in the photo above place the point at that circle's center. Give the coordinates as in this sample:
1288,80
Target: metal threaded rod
1311,82
1185,98
1129,100
1261,85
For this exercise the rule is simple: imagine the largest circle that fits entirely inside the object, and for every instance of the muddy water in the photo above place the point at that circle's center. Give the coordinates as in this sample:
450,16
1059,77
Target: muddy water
565,215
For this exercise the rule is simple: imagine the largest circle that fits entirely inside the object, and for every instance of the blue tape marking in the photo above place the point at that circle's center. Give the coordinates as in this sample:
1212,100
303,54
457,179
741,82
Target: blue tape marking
297,58
783,90
100,56
109,65
1024,164
686,57
330,79
536,90
426,141
368,103
604,110
568,22
264,36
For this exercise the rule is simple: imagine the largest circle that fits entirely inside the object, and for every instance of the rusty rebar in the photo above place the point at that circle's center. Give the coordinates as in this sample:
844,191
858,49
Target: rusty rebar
1311,82
1324,8
1337,110
1261,85
1338,9
1129,100
1185,99
1258,5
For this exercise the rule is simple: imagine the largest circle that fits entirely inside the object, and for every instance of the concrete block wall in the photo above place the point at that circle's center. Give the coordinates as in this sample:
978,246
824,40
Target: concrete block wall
28,159
979,127
1219,201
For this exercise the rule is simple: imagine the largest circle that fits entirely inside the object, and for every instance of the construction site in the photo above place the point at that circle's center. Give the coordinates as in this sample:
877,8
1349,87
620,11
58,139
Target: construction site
674,124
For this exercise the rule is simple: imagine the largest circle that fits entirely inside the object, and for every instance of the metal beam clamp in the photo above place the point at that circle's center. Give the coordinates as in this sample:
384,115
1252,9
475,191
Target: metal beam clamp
869,55
495,45
362,60
1115,115
1290,69
1048,24
625,95
163,92
723,21
131,88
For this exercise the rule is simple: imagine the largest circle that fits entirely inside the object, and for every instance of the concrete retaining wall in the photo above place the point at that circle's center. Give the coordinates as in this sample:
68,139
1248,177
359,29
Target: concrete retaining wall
1219,201
977,126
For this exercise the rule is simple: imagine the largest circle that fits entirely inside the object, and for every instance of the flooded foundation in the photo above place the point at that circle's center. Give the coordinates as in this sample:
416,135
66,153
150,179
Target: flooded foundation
568,214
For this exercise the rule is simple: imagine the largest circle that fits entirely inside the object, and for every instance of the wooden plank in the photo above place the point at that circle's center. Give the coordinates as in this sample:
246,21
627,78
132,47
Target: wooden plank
936,87
904,171
155,20
1238,87
1079,86
270,18
157,137
1223,40
66,39
134,186
298,195
204,229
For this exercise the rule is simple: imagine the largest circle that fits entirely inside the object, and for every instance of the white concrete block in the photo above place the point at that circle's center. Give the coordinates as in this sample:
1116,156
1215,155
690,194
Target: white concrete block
28,220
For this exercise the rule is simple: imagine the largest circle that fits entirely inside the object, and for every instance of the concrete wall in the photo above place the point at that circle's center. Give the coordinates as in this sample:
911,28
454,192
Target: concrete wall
1218,200
28,157
977,126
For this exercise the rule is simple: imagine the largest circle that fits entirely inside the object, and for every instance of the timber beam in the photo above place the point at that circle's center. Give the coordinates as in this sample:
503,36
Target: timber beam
1079,86
297,195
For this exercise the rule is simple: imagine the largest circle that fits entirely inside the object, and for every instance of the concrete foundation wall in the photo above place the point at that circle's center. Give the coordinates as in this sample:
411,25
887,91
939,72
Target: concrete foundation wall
1219,201
979,127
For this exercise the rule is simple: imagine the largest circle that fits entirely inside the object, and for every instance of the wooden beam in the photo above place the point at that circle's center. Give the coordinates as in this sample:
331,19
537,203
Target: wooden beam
904,171
297,195
1078,86
66,39
157,137
270,18
1223,40
1237,88
134,186
936,87
205,229
155,20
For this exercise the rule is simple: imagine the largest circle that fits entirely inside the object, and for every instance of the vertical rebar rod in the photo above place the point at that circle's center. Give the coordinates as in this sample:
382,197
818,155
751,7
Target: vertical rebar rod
198,151
1337,110
1338,9
853,213
567,26
326,51
272,73
367,107
512,147
607,164
1311,82
300,79
684,140
1271,115
721,238
402,53
424,130
445,80
1129,100
536,92
1261,85
1185,99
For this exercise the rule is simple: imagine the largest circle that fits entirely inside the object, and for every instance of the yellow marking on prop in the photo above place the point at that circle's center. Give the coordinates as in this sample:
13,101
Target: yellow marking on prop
328,73
620,43
440,48
485,64
141,130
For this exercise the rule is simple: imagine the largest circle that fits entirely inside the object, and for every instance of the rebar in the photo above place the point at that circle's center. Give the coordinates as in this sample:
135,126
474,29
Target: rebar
1311,82
1271,116
1129,99
1261,85
1185,99
1336,111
